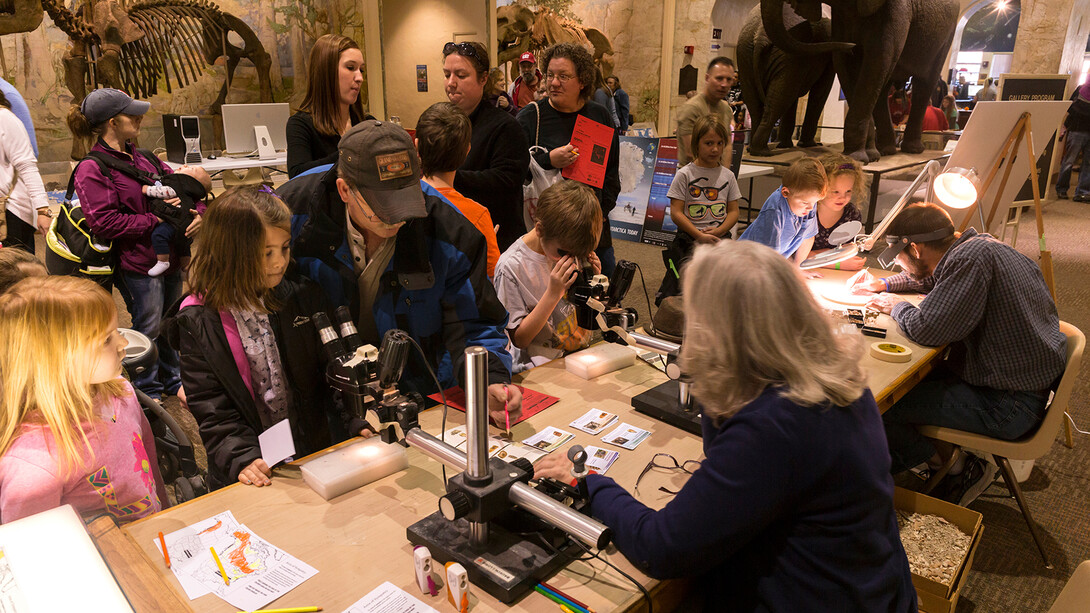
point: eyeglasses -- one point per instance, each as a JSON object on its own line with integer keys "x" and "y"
{"x": 688, "y": 466}
{"x": 711, "y": 193}
{"x": 562, "y": 77}
{"x": 700, "y": 211}
{"x": 464, "y": 50}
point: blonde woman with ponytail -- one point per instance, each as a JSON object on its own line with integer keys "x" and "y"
{"x": 71, "y": 430}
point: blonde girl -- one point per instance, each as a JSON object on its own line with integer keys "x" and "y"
{"x": 250, "y": 355}
{"x": 71, "y": 430}
{"x": 846, "y": 185}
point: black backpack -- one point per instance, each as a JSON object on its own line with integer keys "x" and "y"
{"x": 71, "y": 238}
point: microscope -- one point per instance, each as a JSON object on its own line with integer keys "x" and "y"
{"x": 597, "y": 301}
{"x": 508, "y": 535}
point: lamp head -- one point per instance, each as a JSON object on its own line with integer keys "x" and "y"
{"x": 957, "y": 188}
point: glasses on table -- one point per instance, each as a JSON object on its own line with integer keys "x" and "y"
{"x": 666, "y": 461}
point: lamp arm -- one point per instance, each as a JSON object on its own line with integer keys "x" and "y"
{"x": 929, "y": 172}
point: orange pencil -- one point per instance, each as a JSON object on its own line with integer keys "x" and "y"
{"x": 166, "y": 554}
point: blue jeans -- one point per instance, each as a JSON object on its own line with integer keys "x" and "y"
{"x": 946, "y": 400}
{"x": 1076, "y": 142}
{"x": 147, "y": 299}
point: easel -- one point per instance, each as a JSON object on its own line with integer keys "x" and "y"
{"x": 1022, "y": 131}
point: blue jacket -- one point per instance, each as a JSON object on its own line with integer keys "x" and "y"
{"x": 436, "y": 286}
{"x": 792, "y": 510}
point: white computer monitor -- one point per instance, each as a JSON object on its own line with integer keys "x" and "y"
{"x": 240, "y": 121}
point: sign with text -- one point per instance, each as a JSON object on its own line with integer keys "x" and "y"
{"x": 636, "y": 163}
{"x": 593, "y": 141}
{"x": 1027, "y": 87}
{"x": 658, "y": 228}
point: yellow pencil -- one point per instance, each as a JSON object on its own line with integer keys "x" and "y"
{"x": 220, "y": 564}
{"x": 565, "y": 609}
{"x": 292, "y": 610}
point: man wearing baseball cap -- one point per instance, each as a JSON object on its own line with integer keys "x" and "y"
{"x": 365, "y": 231}
{"x": 522, "y": 90}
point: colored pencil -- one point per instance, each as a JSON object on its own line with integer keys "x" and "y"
{"x": 563, "y": 595}
{"x": 220, "y": 564}
{"x": 291, "y": 610}
{"x": 559, "y": 599}
{"x": 166, "y": 554}
{"x": 506, "y": 397}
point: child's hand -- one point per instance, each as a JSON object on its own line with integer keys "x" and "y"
{"x": 595, "y": 262}
{"x": 563, "y": 275}
{"x": 706, "y": 239}
{"x": 257, "y": 473}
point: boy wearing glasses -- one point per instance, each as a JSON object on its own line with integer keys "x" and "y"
{"x": 703, "y": 200}
{"x": 534, "y": 274}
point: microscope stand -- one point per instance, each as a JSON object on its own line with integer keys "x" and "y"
{"x": 661, "y": 402}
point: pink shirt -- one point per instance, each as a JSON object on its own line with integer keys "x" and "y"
{"x": 122, "y": 478}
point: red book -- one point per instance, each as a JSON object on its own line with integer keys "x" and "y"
{"x": 593, "y": 141}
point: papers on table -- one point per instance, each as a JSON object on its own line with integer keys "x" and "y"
{"x": 257, "y": 571}
{"x": 497, "y": 447}
{"x": 626, "y": 436}
{"x": 594, "y": 421}
{"x": 549, "y": 440}
{"x": 599, "y": 460}
{"x": 11, "y": 597}
{"x": 388, "y": 598}
{"x": 276, "y": 443}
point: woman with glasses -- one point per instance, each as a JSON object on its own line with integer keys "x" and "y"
{"x": 493, "y": 172}
{"x": 703, "y": 199}
{"x": 331, "y": 106}
{"x": 570, "y": 75}
{"x": 792, "y": 507}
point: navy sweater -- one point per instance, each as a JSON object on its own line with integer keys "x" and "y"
{"x": 792, "y": 510}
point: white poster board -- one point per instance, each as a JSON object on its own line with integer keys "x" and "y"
{"x": 983, "y": 137}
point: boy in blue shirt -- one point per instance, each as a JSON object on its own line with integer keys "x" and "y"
{"x": 788, "y": 221}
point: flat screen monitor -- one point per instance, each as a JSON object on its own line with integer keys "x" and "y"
{"x": 239, "y": 121}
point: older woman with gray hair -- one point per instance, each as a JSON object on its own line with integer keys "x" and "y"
{"x": 570, "y": 77}
{"x": 792, "y": 507}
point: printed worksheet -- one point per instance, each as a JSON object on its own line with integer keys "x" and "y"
{"x": 515, "y": 451}
{"x": 456, "y": 437}
{"x": 257, "y": 571}
{"x": 594, "y": 421}
{"x": 11, "y": 599}
{"x": 549, "y": 440}
{"x": 388, "y": 598}
{"x": 599, "y": 460}
{"x": 626, "y": 436}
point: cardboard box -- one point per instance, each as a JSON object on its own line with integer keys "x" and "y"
{"x": 933, "y": 596}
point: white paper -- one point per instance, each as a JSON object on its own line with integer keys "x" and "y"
{"x": 549, "y": 440}
{"x": 594, "y": 421}
{"x": 276, "y": 443}
{"x": 515, "y": 451}
{"x": 599, "y": 460}
{"x": 626, "y": 436}
{"x": 388, "y": 598}
{"x": 455, "y": 437}
{"x": 258, "y": 572}
{"x": 11, "y": 597}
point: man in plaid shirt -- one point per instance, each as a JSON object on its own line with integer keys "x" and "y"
{"x": 990, "y": 304}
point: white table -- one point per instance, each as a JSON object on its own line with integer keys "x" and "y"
{"x": 237, "y": 163}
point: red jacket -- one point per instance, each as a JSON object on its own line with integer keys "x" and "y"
{"x": 935, "y": 120}
{"x": 519, "y": 91}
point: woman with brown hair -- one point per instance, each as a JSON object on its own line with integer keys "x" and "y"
{"x": 498, "y": 154}
{"x": 247, "y": 363}
{"x": 331, "y": 106}
{"x": 570, "y": 75}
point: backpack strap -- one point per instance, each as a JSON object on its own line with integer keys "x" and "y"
{"x": 105, "y": 160}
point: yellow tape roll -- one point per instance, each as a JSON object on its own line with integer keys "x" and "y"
{"x": 890, "y": 352}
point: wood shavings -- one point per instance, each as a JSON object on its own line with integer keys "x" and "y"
{"x": 934, "y": 546}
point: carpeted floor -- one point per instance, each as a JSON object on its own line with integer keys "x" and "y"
{"x": 1007, "y": 573}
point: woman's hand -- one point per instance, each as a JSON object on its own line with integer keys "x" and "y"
{"x": 565, "y": 156}
{"x": 44, "y": 221}
{"x": 502, "y": 102}
{"x": 194, "y": 225}
{"x": 554, "y": 466}
{"x": 563, "y": 275}
{"x": 257, "y": 473}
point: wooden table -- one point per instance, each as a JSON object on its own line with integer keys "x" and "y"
{"x": 357, "y": 541}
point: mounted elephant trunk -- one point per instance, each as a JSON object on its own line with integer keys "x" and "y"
{"x": 772, "y": 19}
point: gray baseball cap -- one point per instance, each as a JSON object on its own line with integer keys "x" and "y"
{"x": 104, "y": 104}
{"x": 378, "y": 158}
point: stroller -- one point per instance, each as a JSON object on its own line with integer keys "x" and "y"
{"x": 177, "y": 462}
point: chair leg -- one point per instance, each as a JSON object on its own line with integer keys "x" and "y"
{"x": 937, "y": 476}
{"x": 1012, "y": 485}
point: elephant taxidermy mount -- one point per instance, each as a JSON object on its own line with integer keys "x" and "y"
{"x": 773, "y": 80}
{"x": 132, "y": 47}
{"x": 875, "y": 42}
